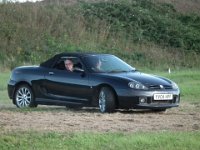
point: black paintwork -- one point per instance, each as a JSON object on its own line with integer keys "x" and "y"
{"x": 59, "y": 87}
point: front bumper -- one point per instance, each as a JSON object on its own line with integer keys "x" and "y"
{"x": 132, "y": 99}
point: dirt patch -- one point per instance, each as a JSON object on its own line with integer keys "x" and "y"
{"x": 59, "y": 119}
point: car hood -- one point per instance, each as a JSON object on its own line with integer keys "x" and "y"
{"x": 145, "y": 79}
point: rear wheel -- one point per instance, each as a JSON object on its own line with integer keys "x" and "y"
{"x": 106, "y": 100}
{"x": 24, "y": 97}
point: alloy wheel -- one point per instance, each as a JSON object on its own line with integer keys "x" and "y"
{"x": 23, "y": 97}
{"x": 102, "y": 101}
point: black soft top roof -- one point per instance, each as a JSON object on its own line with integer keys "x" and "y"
{"x": 54, "y": 59}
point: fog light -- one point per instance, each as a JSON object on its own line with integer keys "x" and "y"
{"x": 142, "y": 99}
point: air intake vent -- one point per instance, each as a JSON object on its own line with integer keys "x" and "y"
{"x": 160, "y": 87}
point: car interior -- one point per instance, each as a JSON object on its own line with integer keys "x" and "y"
{"x": 60, "y": 65}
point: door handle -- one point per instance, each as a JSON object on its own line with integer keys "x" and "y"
{"x": 51, "y": 73}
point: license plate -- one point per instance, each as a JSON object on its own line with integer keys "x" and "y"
{"x": 163, "y": 96}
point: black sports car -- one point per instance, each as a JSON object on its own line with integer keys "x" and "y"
{"x": 101, "y": 80}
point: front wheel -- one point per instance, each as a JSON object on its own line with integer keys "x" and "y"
{"x": 106, "y": 100}
{"x": 24, "y": 97}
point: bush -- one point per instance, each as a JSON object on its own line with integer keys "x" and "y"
{"x": 144, "y": 20}
{"x": 143, "y": 33}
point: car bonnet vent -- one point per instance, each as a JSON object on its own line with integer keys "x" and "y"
{"x": 160, "y": 87}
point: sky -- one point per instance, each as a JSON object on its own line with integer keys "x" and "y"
{"x": 21, "y": 0}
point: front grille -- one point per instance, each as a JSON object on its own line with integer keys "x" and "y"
{"x": 167, "y": 86}
{"x": 162, "y": 102}
{"x": 160, "y": 87}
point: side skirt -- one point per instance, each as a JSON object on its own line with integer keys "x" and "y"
{"x": 43, "y": 101}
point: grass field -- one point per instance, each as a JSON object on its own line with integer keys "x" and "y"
{"x": 4, "y": 77}
{"x": 188, "y": 81}
{"x": 91, "y": 141}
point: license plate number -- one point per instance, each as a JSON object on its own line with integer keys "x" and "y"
{"x": 163, "y": 96}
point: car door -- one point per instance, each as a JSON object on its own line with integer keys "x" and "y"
{"x": 62, "y": 85}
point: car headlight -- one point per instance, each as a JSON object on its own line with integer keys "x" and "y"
{"x": 174, "y": 85}
{"x": 137, "y": 85}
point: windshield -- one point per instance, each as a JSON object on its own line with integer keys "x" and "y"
{"x": 106, "y": 63}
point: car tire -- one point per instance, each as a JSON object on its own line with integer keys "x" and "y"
{"x": 24, "y": 97}
{"x": 106, "y": 100}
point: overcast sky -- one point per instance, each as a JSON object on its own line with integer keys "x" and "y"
{"x": 21, "y": 0}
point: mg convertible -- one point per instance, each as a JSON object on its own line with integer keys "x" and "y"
{"x": 97, "y": 80}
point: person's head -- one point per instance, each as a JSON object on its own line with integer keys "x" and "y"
{"x": 69, "y": 65}
{"x": 98, "y": 64}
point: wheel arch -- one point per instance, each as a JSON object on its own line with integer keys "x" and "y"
{"x": 17, "y": 85}
{"x": 109, "y": 86}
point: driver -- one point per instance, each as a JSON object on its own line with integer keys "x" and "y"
{"x": 69, "y": 65}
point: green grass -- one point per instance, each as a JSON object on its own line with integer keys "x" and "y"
{"x": 188, "y": 81}
{"x": 4, "y": 100}
{"x": 4, "y": 77}
{"x": 112, "y": 141}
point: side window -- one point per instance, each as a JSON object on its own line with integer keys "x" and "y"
{"x": 77, "y": 65}
{"x": 60, "y": 65}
